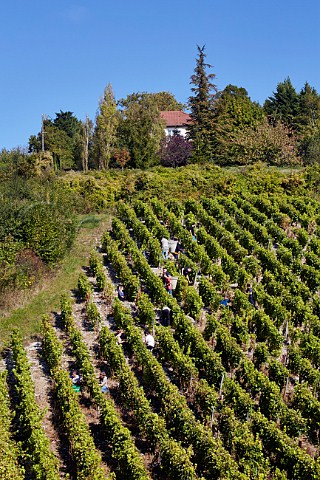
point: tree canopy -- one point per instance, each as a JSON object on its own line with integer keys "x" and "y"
{"x": 226, "y": 128}
{"x": 141, "y": 128}
{"x": 105, "y": 133}
{"x": 63, "y": 138}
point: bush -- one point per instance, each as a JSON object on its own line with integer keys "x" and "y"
{"x": 46, "y": 231}
{"x": 192, "y": 303}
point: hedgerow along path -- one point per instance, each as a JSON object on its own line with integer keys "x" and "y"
{"x": 45, "y": 298}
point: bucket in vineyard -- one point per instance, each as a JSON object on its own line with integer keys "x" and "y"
{"x": 174, "y": 281}
{"x": 172, "y": 245}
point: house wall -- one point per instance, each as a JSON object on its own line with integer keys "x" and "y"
{"x": 170, "y": 131}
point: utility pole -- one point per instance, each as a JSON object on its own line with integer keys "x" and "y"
{"x": 86, "y": 145}
{"x": 43, "y": 118}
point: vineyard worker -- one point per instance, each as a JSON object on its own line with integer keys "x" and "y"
{"x": 119, "y": 337}
{"x": 121, "y": 293}
{"x": 187, "y": 271}
{"x": 169, "y": 286}
{"x": 104, "y": 383}
{"x": 165, "y": 247}
{"x": 149, "y": 341}
{"x": 177, "y": 251}
{"x": 165, "y": 276}
{"x": 166, "y": 316}
{"x": 193, "y": 232}
{"x": 226, "y": 301}
{"x": 75, "y": 378}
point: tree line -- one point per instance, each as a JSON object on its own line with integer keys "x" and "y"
{"x": 226, "y": 128}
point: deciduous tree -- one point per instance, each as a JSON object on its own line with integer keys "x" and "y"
{"x": 175, "y": 151}
{"x": 105, "y": 133}
{"x": 166, "y": 101}
{"x": 272, "y": 144}
{"x": 141, "y": 128}
{"x": 234, "y": 113}
{"x": 122, "y": 157}
{"x": 63, "y": 138}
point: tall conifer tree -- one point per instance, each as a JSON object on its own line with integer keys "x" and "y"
{"x": 283, "y": 105}
{"x": 201, "y": 104}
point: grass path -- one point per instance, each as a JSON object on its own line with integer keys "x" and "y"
{"x": 46, "y": 298}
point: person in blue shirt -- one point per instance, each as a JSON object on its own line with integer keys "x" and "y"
{"x": 226, "y": 301}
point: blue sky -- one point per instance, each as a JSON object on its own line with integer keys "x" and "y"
{"x": 60, "y": 55}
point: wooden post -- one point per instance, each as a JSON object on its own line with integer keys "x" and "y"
{"x": 221, "y": 385}
{"x": 212, "y": 416}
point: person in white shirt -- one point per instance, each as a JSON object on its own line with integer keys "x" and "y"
{"x": 165, "y": 247}
{"x": 104, "y": 383}
{"x": 75, "y": 378}
{"x": 150, "y": 341}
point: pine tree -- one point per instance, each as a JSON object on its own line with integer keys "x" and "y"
{"x": 309, "y": 110}
{"x": 201, "y": 104}
{"x": 283, "y": 106}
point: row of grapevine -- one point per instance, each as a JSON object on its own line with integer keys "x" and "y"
{"x": 9, "y": 452}
{"x": 122, "y": 237}
{"x": 40, "y": 460}
{"x": 85, "y": 457}
{"x": 123, "y": 450}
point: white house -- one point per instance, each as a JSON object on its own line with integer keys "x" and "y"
{"x": 176, "y": 121}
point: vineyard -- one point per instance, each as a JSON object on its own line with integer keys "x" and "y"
{"x": 230, "y": 389}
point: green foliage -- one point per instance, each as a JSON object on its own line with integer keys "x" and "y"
{"x": 146, "y": 312}
{"x": 175, "y": 460}
{"x": 94, "y": 262}
{"x": 212, "y": 459}
{"x": 63, "y": 138}
{"x": 9, "y": 466}
{"x": 46, "y": 231}
{"x": 85, "y": 457}
{"x": 42, "y": 462}
{"x": 124, "y": 452}
{"x": 51, "y": 347}
{"x": 231, "y": 353}
{"x": 105, "y": 134}
{"x": 208, "y": 294}
{"x": 101, "y": 279}
{"x": 261, "y": 354}
{"x": 66, "y": 312}
{"x": 141, "y": 129}
{"x": 278, "y": 373}
{"x": 170, "y": 352}
{"x": 284, "y": 104}
{"x": 93, "y": 314}
{"x": 201, "y": 104}
{"x": 37, "y": 227}
{"x": 192, "y": 303}
{"x": 84, "y": 286}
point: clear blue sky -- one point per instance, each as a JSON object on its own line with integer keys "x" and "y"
{"x": 60, "y": 55}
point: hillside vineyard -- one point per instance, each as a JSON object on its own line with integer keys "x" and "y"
{"x": 230, "y": 388}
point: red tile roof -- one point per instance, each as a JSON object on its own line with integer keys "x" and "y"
{"x": 175, "y": 118}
